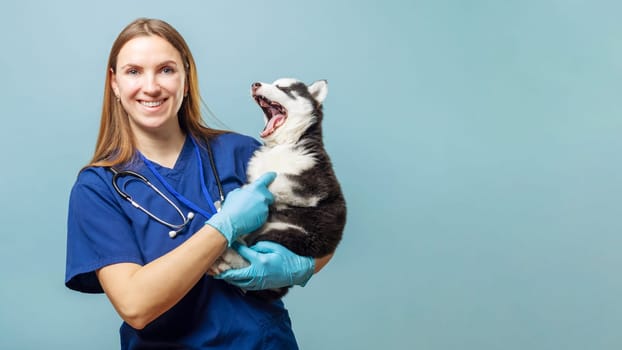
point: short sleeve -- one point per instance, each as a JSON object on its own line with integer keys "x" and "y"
{"x": 237, "y": 150}
{"x": 98, "y": 233}
{"x": 247, "y": 152}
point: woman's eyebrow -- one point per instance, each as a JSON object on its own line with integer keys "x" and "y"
{"x": 168, "y": 62}
{"x": 163, "y": 63}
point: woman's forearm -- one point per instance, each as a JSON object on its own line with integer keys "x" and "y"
{"x": 142, "y": 293}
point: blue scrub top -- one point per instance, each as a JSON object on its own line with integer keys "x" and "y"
{"x": 105, "y": 229}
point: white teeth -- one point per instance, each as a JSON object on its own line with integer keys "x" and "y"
{"x": 151, "y": 103}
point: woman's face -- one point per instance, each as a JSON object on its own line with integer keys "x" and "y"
{"x": 150, "y": 80}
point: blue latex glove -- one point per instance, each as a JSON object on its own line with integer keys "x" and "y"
{"x": 245, "y": 209}
{"x": 271, "y": 266}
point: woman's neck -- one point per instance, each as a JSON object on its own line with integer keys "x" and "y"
{"x": 162, "y": 149}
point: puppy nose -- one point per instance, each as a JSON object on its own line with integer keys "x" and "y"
{"x": 255, "y": 86}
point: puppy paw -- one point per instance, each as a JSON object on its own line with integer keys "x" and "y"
{"x": 233, "y": 260}
{"x": 230, "y": 259}
{"x": 219, "y": 266}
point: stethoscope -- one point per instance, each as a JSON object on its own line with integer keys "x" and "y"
{"x": 175, "y": 228}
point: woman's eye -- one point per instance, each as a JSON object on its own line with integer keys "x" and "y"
{"x": 132, "y": 71}
{"x": 168, "y": 70}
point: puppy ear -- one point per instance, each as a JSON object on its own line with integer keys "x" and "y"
{"x": 318, "y": 90}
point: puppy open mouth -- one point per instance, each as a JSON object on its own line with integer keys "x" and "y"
{"x": 275, "y": 114}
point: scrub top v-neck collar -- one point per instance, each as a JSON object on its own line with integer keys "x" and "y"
{"x": 185, "y": 155}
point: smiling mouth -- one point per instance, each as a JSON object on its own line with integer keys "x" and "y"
{"x": 275, "y": 114}
{"x": 152, "y": 103}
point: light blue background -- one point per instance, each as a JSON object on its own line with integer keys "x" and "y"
{"x": 478, "y": 144}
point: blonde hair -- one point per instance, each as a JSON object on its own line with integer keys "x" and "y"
{"x": 115, "y": 142}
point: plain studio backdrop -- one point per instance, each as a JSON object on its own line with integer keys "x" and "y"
{"x": 478, "y": 145}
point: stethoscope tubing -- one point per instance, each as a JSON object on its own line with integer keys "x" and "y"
{"x": 175, "y": 228}
{"x": 123, "y": 193}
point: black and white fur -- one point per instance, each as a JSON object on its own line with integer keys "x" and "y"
{"x": 309, "y": 212}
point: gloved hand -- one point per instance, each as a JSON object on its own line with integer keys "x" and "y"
{"x": 245, "y": 209}
{"x": 271, "y": 266}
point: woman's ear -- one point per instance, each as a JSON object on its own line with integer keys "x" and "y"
{"x": 113, "y": 83}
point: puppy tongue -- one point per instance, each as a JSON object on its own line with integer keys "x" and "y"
{"x": 273, "y": 124}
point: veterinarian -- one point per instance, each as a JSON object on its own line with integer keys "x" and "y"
{"x": 146, "y": 218}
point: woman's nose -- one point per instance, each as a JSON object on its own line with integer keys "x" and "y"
{"x": 151, "y": 84}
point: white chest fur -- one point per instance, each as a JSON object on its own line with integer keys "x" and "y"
{"x": 284, "y": 160}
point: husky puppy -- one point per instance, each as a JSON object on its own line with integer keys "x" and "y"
{"x": 309, "y": 212}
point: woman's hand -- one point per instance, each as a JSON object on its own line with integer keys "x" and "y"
{"x": 271, "y": 266}
{"x": 245, "y": 209}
